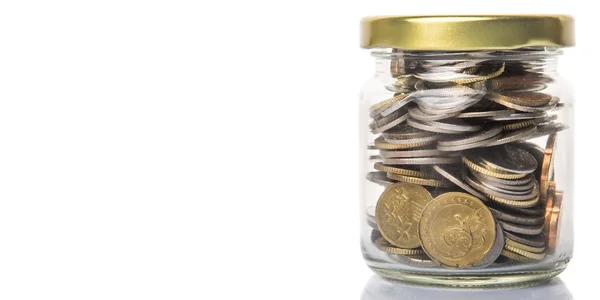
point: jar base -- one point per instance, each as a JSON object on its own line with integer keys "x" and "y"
{"x": 480, "y": 280}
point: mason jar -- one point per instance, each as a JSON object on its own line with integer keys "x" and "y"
{"x": 467, "y": 140}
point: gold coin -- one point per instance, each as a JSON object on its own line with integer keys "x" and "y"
{"x": 515, "y": 203}
{"x": 401, "y": 171}
{"x": 381, "y": 144}
{"x": 398, "y": 212}
{"x": 480, "y": 77}
{"x": 552, "y": 237}
{"x": 515, "y": 256}
{"x": 536, "y": 256}
{"x": 547, "y": 167}
{"x": 385, "y": 246}
{"x": 490, "y": 171}
{"x": 419, "y": 181}
{"x": 527, "y": 123}
{"x": 387, "y": 103}
{"x": 524, "y": 247}
{"x": 531, "y": 99}
{"x": 457, "y": 230}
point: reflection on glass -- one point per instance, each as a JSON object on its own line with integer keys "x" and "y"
{"x": 380, "y": 289}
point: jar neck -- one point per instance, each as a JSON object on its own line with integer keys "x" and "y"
{"x": 394, "y": 62}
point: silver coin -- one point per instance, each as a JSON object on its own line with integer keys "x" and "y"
{"x": 454, "y": 125}
{"x": 514, "y": 135}
{"x": 397, "y": 105}
{"x": 486, "y": 114}
{"x": 422, "y": 161}
{"x": 421, "y": 125}
{"x": 411, "y": 153}
{"x": 417, "y": 114}
{"x": 475, "y": 137}
{"x": 374, "y": 158}
{"x": 532, "y": 211}
{"x": 509, "y": 187}
{"x": 435, "y": 101}
{"x": 388, "y": 122}
{"x": 533, "y": 241}
{"x": 522, "y": 229}
{"x": 428, "y": 140}
{"x": 444, "y": 75}
{"x": 507, "y": 158}
{"x": 380, "y": 178}
{"x": 548, "y": 129}
{"x": 519, "y": 116}
{"x": 404, "y": 132}
{"x": 484, "y": 189}
{"x": 454, "y": 177}
{"x": 537, "y": 152}
{"x": 499, "y": 181}
{"x": 371, "y": 221}
{"x": 495, "y": 251}
{"x": 470, "y": 145}
{"x": 399, "y": 89}
{"x": 413, "y": 261}
{"x": 559, "y": 106}
{"x": 451, "y": 110}
{"x": 516, "y": 218}
{"x": 506, "y": 191}
{"x": 375, "y": 235}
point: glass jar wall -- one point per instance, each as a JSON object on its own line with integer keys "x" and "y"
{"x": 467, "y": 165}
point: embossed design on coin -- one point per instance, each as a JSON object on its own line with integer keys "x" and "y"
{"x": 457, "y": 230}
{"x": 496, "y": 250}
{"x": 398, "y": 211}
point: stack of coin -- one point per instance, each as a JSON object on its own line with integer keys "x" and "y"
{"x": 458, "y": 130}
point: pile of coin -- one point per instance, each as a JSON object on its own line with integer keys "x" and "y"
{"x": 464, "y": 187}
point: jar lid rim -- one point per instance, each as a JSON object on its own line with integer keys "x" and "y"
{"x": 467, "y": 32}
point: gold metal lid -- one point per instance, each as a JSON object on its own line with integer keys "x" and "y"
{"x": 467, "y": 32}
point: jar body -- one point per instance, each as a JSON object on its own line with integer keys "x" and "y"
{"x": 466, "y": 165}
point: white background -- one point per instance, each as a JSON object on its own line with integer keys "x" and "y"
{"x": 208, "y": 149}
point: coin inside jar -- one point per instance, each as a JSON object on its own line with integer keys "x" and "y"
{"x": 496, "y": 250}
{"x": 514, "y": 135}
{"x": 472, "y": 138}
{"x": 547, "y": 170}
{"x": 397, "y": 213}
{"x": 454, "y": 177}
{"x": 453, "y": 216}
{"x": 516, "y": 218}
{"x": 507, "y": 158}
{"x": 552, "y": 237}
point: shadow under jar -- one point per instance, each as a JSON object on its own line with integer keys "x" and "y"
{"x": 466, "y": 129}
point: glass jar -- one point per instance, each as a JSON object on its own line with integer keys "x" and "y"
{"x": 466, "y": 129}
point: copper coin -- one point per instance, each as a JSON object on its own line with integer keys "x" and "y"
{"x": 547, "y": 167}
{"x": 554, "y": 222}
